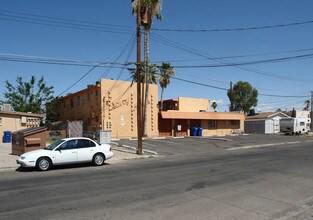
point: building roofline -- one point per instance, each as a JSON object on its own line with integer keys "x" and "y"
{"x": 22, "y": 114}
{"x": 80, "y": 92}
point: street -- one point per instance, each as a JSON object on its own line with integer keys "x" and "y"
{"x": 206, "y": 182}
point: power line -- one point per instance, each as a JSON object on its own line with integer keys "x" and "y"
{"x": 65, "y": 23}
{"x": 236, "y": 56}
{"x": 87, "y": 73}
{"x": 283, "y": 59}
{"x": 103, "y": 65}
{"x": 226, "y": 89}
{"x": 63, "y": 19}
{"x": 236, "y": 29}
{"x": 182, "y": 47}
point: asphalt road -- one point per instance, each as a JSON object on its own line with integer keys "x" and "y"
{"x": 273, "y": 182}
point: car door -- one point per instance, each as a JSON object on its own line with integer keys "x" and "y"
{"x": 85, "y": 150}
{"x": 66, "y": 152}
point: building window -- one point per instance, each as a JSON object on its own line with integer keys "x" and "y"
{"x": 0, "y": 121}
{"x": 79, "y": 101}
{"x": 108, "y": 125}
{"x": 235, "y": 122}
{"x": 88, "y": 96}
{"x": 97, "y": 92}
{"x": 72, "y": 103}
{"x": 212, "y": 123}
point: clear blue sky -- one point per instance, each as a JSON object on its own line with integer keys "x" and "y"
{"x": 24, "y": 32}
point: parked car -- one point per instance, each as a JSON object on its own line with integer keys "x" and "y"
{"x": 67, "y": 151}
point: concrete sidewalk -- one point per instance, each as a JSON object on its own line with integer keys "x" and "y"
{"x": 8, "y": 161}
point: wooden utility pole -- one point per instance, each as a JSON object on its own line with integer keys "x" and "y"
{"x": 138, "y": 73}
{"x": 231, "y": 106}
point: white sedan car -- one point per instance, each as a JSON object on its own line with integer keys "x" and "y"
{"x": 67, "y": 151}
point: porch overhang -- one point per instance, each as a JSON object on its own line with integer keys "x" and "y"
{"x": 202, "y": 115}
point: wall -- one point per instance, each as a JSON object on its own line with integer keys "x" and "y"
{"x": 193, "y": 104}
{"x": 119, "y": 108}
{"x": 84, "y": 105}
{"x": 302, "y": 114}
{"x": 12, "y": 122}
{"x": 110, "y": 105}
{"x": 223, "y": 127}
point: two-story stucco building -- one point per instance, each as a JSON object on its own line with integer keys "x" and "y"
{"x": 110, "y": 105}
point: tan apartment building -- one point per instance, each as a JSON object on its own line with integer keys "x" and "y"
{"x": 182, "y": 114}
{"x": 110, "y": 105}
{"x": 13, "y": 121}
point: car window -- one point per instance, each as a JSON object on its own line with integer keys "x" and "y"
{"x": 54, "y": 145}
{"x": 83, "y": 143}
{"x": 71, "y": 144}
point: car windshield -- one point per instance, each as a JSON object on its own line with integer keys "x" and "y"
{"x": 54, "y": 145}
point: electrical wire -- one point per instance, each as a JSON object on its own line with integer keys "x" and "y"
{"x": 283, "y": 59}
{"x": 87, "y": 73}
{"x": 225, "y": 89}
{"x": 182, "y": 47}
{"x": 236, "y": 29}
{"x": 72, "y": 24}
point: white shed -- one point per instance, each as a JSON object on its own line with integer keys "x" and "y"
{"x": 264, "y": 123}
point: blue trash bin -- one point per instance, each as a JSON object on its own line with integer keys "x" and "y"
{"x": 7, "y": 136}
{"x": 194, "y": 131}
{"x": 199, "y": 133}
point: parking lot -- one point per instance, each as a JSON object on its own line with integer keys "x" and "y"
{"x": 188, "y": 145}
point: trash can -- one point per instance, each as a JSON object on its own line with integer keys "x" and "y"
{"x": 199, "y": 133}
{"x": 28, "y": 139}
{"x": 194, "y": 131}
{"x": 7, "y": 136}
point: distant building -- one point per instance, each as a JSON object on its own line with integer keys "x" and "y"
{"x": 13, "y": 121}
{"x": 264, "y": 123}
{"x": 299, "y": 114}
{"x": 181, "y": 115}
{"x": 110, "y": 105}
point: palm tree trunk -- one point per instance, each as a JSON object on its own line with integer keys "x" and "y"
{"x": 146, "y": 61}
{"x": 162, "y": 92}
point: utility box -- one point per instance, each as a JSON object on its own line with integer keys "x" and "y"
{"x": 104, "y": 136}
{"x": 28, "y": 139}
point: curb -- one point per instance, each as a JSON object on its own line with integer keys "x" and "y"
{"x": 131, "y": 148}
{"x": 268, "y": 145}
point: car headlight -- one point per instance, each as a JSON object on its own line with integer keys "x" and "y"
{"x": 23, "y": 158}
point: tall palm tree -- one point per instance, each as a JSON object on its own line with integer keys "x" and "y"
{"x": 152, "y": 75}
{"x": 214, "y": 105}
{"x": 166, "y": 72}
{"x": 149, "y": 10}
{"x": 307, "y": 105}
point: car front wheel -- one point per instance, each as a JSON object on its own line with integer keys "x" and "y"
{"x": 98, "y": 159}
{"x": 43, "y": 164}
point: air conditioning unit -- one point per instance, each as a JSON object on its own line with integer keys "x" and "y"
{"x": 23, "y": 120}
{"x": 7, "y": 107}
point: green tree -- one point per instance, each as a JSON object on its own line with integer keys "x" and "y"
{"x": 214, "y": 105}
{"x": 243, "y": 96}
{"x": 152, "y": 74}
{"x": 51, "y": 106}
{"x": 28, "y": 96}
{"x": 149, "y": 10}
{"x": 166, "y": 72}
